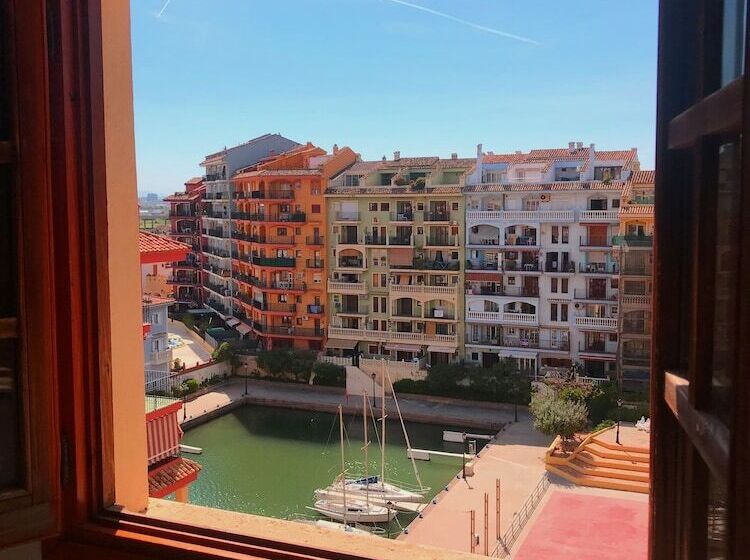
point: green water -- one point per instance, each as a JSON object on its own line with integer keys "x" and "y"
{"x": 269, "y": 461}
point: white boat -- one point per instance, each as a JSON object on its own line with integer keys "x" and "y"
{"x": 329, "y": 494}
{"x": 357, "y": 529}
{"x": 339, "y": 508}
{"x": 384, "y": 491}
{"x": 353, "y": 510}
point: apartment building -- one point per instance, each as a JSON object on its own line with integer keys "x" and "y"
{"x": 635, "y": 242}
{"x": 217, "y": 223}
{"x": 278, "y": 230}
{"x": 395, "y": 256}
{"x": 185, "y": 209}
{"x": 542, "y": 274}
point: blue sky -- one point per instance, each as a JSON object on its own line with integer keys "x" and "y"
{"x": 383, "y": 75}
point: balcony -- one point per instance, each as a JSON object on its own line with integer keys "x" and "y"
{"x": 636, "y": 326}
{"x": 282, "y": 217}
{"x": 445, "y": 340}
{"x": 286, "y": 262}
{"x": 350, "y": 262}
{"x": 273, "y": 239}
{"x": 446, "y": 314}
{"x": 403, "y": 217}
{"x": 182, "y": 214}
{"x": 636, "y": 359}
{"x": 401, "y": 240}
{"x": 634, "y": 241}
{"x": 220, "y": 253}
{"x": 359, "y": 309}
{"x": 185, "y": 264}
{"x": 520, "y": 216}
{"x": 315, "y": 241}
{"x": 520, "y": 242}
{"x": 353, "y": 288}
{"x": 313, "y": 309}
{"x": 636, "y": 269}
{"x": 218, "y": 289}
{"x": 214, "y": 232}
{"x": 219, "y": 308}
{"x": 377, "y": 240}
{"x": 442, "y": 241}
{"x": 346, "y": 217}
{"x": 597, "y": 323}
{"x": 505, "y": 317}
{"x": 348, "y": 239}
{"x": 515, "y": 266}
{"x": 315, "y": 263}
{"x": 630, "y": 299}
{"x": 287, "y": 331}
{"x": 275, "y": 307}
{"x": 423, "y": 292}
{"x": 596, "y": 347}
{"x": 216, "y": 214}
{"x": 182, "y": 281}
{"x": 594, "y": 295}
{"x": 599, "y": 216}
{"x": 272, "y": 194}
{"x": 598, "y": 268}
{"x": 437, "y": 216}
{"x": 213, "y": 177}
{"x": 492, "y": 266}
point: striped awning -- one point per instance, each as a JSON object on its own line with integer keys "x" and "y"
{"x": 163, "y": 433}
{"x": 341, "y": 343}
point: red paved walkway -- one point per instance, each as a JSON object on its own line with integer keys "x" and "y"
{"x": 574, "y": 526}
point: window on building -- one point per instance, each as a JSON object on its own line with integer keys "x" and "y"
{"x": 455, "y": 206}
{"x": 564, "y": 285}
{"x": 565, "y": 234}
{"x": 553, "y": 312}
{"x": 315, "y": 209}
{"x": 563, "y": 311}
{"x": 373, "y": 206}
{"x": 351, "y": 180}
{"x": 555, "y": 234}
{"x": 385, "y": 206}
{"x": 553, "y": 285}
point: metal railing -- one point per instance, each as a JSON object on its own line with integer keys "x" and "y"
{"x": 315, "y": 263}
{"x": 520, "y": 518}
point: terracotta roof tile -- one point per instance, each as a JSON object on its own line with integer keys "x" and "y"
{"x": 150, "y": 243}
{"x": 542, "y": 187}
{"x": 172, "y": 473}
{"x": 391, "y": 190}
{"x": 646, "y": 177}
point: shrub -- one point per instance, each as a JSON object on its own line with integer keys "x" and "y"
{"x": 415, "y": 387}
{"x": 576, "y": 392}
{"x": 330, "y": 375}
{"x": 188, "y": 320}
{"x": 418, "y": 184}
{"x": 603, "y": 424}
{"x": 555, "y": 416}
{"x": 283, "y": 362}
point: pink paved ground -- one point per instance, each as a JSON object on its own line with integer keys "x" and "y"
{"x": 573, "y": 526}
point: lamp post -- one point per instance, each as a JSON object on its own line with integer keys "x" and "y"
{"x": 463, "y": 456}
{"x": 617, "y": 435}
{"x": 245, "y": 393}
{"x": 373, "y": 389}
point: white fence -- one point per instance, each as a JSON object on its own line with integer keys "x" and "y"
{"x": 337, "y": 360}
{"x": 396, "y": 370}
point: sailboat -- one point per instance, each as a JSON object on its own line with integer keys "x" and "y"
{"x": 339, "y": 508}
{"x": 375, "y": 487}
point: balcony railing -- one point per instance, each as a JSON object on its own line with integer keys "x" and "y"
{"x": 347, "y": 216}
{"x": 633, "y": 240}
{"x": 348, "y": 240}
{"x": 276, "y": 307}
{"x": 403, "y": 240}
{"x": 313, "y": 309}
{"x": 407, "y": 313}
{"x": 279, "y": 217}
{"x": 598, "y": 216}
{"x": 635, "y": 359}
{"x": 182, "y": 280}
{"x": 511, "y": 266}
{"x": 594, "y": 295}
{"x": 217, "y": 288}
{"x": 273, "y": 239}
{"x": 216, "y": 306}
{"x": 347, "y": 287}
{"x": 636, "y": 269}
{"x": 595, "y": 242}
{"x": 595, "y": 347}
{"x": 599, "y": 268}
{"x": 606, "y": 323}
{"x": 182, "y": 214}
{"x": 288, "y": 330}
{"x": 441, "y": 241}
{"x": 288, "y": 262}
{"x": 630, "y": 299}
{"x": 551, "y": 216}
{"x": 214, "y": 177}
{"x": 439, "y": 314}
{"x": 360, "y": 309}
{"x": 315, "y": 263}
{"x": 214, "y": 232}
{"x": 279, "y": 194}
{"x": 520, "y": 241}
{"x": 450, "y": 291}
{"x": 315, "y": 241}
{"x": 350, "y": 262}
{"x": 376, "y": 240}
{"x": 434, "y": 265}
{"x": 402, "y": 216}
{"x": 218, "y": 214}
{"x": 503, "y": 317}
{"x": 446, "y": 340}
{"x": 484, "y": 265}
{"x": 636, "y": 326}
{"x": 185, "y": 264}
{"x": 215, "y": 252}
{"x": 437, "y": 216}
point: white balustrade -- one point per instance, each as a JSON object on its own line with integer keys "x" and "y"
{"x": 598, "y": 216}
{"x": 520, "y": 318}
{"x": 608, "y": 323}
{"x": 521, "y": 215}
{"x": 636, "y": 299}
{"x": 391, "y": 336}
{"x": 450, "y": 291}
{"x": 347, "y": 287}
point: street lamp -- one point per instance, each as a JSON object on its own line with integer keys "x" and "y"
{"x": 617, "y": 436}
{"x": 463, "y": 456}
{"x": 245, "y": 393}
{"x": 373, "y": 389}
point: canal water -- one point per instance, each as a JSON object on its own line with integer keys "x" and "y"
{"x": 269, "y": 461}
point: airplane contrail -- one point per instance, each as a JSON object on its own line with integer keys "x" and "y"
{"x": 467, "y": 23}
{"x": 164, "y": 7}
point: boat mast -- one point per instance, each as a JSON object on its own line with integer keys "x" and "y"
{"x": 367, "y": 444}
{"x": 343, "y": 464}
{"x": 382, "y": 420}
{"x": 406, "y": 435}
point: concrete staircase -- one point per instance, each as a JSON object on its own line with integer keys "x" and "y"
{"x": 603, "y": 464}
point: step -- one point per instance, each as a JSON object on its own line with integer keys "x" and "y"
{"x": 624, "y": 464}
{"x": 596, "y": 481}
{"x": 619, "y": 447}
{"x": 595, "y": 448}
{"x": 608, "y": 472}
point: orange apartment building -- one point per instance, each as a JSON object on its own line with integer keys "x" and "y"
{"x": 278, "y": 229}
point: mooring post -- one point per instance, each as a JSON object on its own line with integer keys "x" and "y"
{"x": 497, "y": 508}
{"x": 472, "y": 540}
{"x": 486, "y": 524}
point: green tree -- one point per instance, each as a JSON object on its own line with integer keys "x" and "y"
{"x": 226, "y": 352}
{"x": 444, "y": 377}
{"x": 555, "y": 416}
{"x": 188, "y": 320}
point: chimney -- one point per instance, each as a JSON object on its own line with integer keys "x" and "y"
{"x": 335, "y": 149}
{"x": 396, "y": 155}
{"x": 592, "y": 158}
{"x": 571, "y": 146}
{"x": 454, "y": 155}
{"x": 579, "y": 145}
{"x": 385, "y": 158}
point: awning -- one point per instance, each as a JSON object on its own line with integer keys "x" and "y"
{"x": 163, "y": 436}
{"x": 403, "y": 347}
{"x": 233, "y": 321}
{"x": 242, "y": 328}
{"x": 341, "y": 343}
{"x": 442, "y": 349}
{"x": 171, "y": 475}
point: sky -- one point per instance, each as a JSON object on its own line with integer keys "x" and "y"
{"x": 425, "y": 77}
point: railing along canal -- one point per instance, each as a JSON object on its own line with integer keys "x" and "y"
{"x": 505, "y": 545}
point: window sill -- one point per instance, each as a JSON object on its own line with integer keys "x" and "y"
{"x": 226, "y": 534}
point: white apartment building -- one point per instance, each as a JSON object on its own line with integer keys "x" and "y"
{"x": 542, "y": 277}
